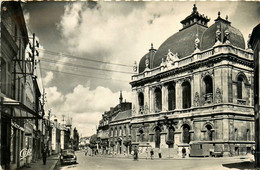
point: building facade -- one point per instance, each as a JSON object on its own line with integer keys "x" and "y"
{"x": 20, "y": 104}
{"x": 114, "y": 133}
{"x": 196, "y": 90}
{"x": 255, "y": 43}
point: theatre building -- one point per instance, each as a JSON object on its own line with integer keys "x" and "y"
{"x": 195, "y": 91}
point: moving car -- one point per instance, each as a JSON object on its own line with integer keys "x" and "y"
{"x": 68, "y": 156}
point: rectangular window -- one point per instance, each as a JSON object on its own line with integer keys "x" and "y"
{"x": 18, "y": 90}
{"x": 3, "y": 76}
{"x": 22, "y": 93}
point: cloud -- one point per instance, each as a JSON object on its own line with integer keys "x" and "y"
{"x": 54, "y": 97}
{"x": 48, "y": 78}
{"x": 83, "y": 105}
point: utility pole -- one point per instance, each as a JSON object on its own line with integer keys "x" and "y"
{"x": 32, "y": 55}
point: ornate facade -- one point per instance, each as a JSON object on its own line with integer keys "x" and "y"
{"x": 113, "y": 132}
{"x": 196, "y": 89}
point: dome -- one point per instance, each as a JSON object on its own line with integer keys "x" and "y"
{"x": 150, "y": 57}
{"x": 209, "y": 36}
{"x": 181, "y": 42}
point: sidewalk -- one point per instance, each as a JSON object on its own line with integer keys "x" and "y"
{"x": 242, "y": 157}
{"x": 50, "y": 164}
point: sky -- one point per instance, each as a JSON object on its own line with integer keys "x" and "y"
{"x": 109, "y": 32}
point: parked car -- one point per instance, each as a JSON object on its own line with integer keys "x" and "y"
{"x": 68, "y": 156}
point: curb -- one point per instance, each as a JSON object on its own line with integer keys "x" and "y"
{"x": 54, "y": 165}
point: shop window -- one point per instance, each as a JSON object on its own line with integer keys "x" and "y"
{"x": 158, "y": 99}
{"x": 186, "y": 95}
{"x": 171, "y": 97}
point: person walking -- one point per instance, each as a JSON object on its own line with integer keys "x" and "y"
{"x": 86, "y": 152}
{"x": 160, "y": 153}
{"x": 44, "y": 155}
{"x": 183, "y": 152}
{"x": 151, "y": 153}
{"x": 135, "y": 153}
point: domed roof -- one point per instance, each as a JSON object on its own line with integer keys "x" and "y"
{"x": 150, "y": 57}
{"x": 181, "y": 42}
{"x": 209, "y": 36}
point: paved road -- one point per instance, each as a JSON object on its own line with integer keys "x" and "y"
{"x": 99, "y": 163}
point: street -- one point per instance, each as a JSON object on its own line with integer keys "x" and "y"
{"x": 106, "y": 163}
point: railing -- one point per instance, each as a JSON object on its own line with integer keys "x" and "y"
{"x": 241, "y": 101}
{"x": 198, "y": 56}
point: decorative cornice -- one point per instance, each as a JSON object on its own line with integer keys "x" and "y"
{"x": 195, "y": 65}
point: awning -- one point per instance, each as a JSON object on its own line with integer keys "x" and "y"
{"x": 21, "y": 111}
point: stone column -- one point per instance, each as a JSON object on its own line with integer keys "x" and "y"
{"x": 177, "y": 138}
{"x": 178, "y": 89}
{"x": 151, "y": 108}
{"x": 164, "y": 98}
{"x": 163, "y": 141}
{"x": 135, "y": 106}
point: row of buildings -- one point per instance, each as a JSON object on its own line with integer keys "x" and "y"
{"x": 24, "y": 127}
{"x": 194, "y": 92}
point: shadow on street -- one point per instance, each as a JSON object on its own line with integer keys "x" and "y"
{"x": 240, "y": 165}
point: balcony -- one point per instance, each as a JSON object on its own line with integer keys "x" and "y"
{"x": 241, "y": 101}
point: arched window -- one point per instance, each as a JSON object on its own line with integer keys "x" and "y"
{"x": 111, "y": 133}
{"x": 171, "y": 136}
{"x": 158, "y": 99}
{"x": 186, "y": 133}
{"x": 141, "y": 103}
{"x": 171, "y": 97}
{"x": 186, "y": 95}
{"x": 209, "y": 133}
{"x": 157, "y": 137}
{"x": 236, "y": 134}
{"x": 240, "y": 87}
{"x": 248, "y": 135}
{"x": 115, "y": 132}
{"x": 208, "y": 84}
{"x": 141, "y": 135}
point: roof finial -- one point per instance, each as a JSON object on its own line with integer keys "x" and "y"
{"x": 194, "y": 8}
{"x": 151, "y": 45}
{"x": 226, "y": 17}
{"x": 121, "y": 97}
{"x": 219, "y": 14}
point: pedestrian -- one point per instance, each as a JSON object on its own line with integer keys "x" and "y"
{"x": 151, "y": 153}
{"x": 86, "y": 152}
{"x": 160, "y": 153}
{"x": 135, "y": 153}
{"x": 44, "y": 155}
{"x": 183, "y": 152}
